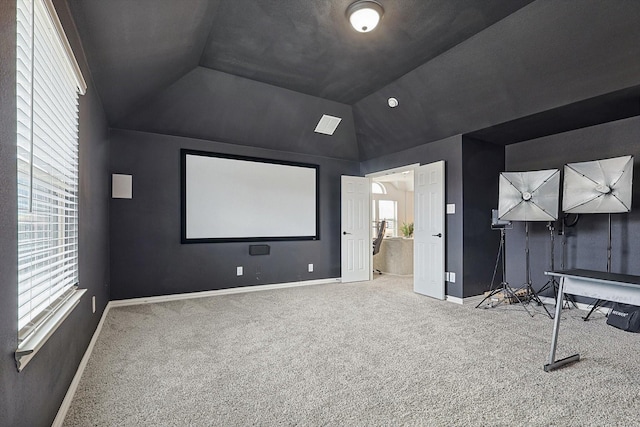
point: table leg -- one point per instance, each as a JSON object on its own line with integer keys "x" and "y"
{"x": 554, "y": 339}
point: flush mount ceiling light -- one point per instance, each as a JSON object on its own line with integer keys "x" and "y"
{"x": 364, "y": 15}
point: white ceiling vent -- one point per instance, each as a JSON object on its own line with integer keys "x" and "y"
{"x": 328, "y": 124}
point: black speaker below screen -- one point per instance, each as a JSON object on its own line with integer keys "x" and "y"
{"x": 259, "y": 249}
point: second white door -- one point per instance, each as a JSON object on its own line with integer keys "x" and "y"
{"x": 356, "y": 244}
{"x": 429, "y": 238}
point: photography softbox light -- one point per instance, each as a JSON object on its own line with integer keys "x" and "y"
{"x": 600, "y": 186}
{"x": 529, "y": 196}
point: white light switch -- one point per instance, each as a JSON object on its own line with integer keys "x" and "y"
{"x": 451, "y": 208}
{"x": 239, "y": 271}
{"x": 310, "y": 268}
{"x": 452, "y": 277}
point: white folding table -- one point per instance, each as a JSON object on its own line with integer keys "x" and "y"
{"x": 599, "y": 285}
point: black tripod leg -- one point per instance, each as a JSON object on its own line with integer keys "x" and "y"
{"x": 568, "y": 299}
{"x": 499, "y": 256}
{"x": 492, "y": 293}
{"x": 537, "y": 299}
{"x": 514, "y": 294}
{"x": 546, "y": 285}
{"x": 595, "y": 305}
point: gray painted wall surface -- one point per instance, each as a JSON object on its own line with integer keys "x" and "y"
{"x": 587, "y": 242}
{"x": 216, "y": 106}
{"x": 32, "y": 397}
{"x": 147, "y": 257}
{"x": 12, "y": 399}
{"x": 449, "y": 150}
{"x": 481, "y": 164}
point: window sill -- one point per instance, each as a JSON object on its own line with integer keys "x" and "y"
{"x": 34, "y": 342}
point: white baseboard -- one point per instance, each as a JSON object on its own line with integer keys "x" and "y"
{"x": 204, "y": 294}
{"x": 579, "y": 305}
{"x": 68, "y": 398}
{"x": 455, "y": 300}
{"x": 392, "y": 274}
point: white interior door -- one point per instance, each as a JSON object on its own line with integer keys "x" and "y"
{"x": 428, "y": 262}
{"x": 356, "y": 245}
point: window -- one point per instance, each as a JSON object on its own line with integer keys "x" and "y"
{"x": 48, "y": 82}
{"x": 388, "y": 211}
{"x": 384, "y": 210}
{"x": 377, "y": 188}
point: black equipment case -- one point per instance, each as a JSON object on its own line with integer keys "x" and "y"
{"x": 625, "y": 317}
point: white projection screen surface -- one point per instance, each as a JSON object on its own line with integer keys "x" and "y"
{"x": 227, "y": 198}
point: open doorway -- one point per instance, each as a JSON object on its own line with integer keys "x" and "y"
{"x": 392, "y": 204}
{"x": 428, "y": 243}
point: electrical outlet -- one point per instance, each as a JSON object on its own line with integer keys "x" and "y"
{"x": 93, "y": 304}
{"x": 239, "y": 271}
{"x": 310, "y": 268}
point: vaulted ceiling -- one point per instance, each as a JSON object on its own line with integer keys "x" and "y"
{"x": 262, "y": 72}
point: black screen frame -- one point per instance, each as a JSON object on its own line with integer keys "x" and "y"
{"x": 183, "y": 198}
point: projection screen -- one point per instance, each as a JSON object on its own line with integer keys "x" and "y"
{"x": 245, "y": 199}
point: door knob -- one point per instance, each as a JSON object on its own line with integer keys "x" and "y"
{"x": 345, "y": 233}
{"x": 437, "y": 235}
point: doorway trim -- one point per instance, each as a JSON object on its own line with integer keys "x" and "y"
{"x": 373, "y": 175}
{"x": 392, "y": 171}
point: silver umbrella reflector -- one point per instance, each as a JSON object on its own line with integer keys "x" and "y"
{"x": 601, "y": 186}
{"x": 529, "y": 196}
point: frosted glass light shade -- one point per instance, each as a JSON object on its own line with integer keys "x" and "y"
{"x": 365, "y": 15}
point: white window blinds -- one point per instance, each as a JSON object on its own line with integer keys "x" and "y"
{"x": 47, "y": 153}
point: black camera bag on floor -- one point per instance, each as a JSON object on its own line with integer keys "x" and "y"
{"x": 625, "y": 317}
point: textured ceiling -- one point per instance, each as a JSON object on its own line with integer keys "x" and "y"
{"x": 309, "y": 46}
{"x": 262, "y": 72}
{"x": 138, "y": 47}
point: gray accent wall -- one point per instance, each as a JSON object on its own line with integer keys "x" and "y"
{"x": 586, "y": 245}
{"x": 471, "y": 170}
{"x": 481, "y": 165}
{"x": 32, "y": 397}
{"x": 12, "y": 399}
{"x": 449, "y": 150}
{"x": 216, "y": 106}
{"x": 147, "y": 258}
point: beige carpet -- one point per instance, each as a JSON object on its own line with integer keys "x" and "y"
{"x": 360, "y": 354}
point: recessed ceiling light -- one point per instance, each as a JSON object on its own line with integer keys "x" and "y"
{"x": 364, "y": 15}
{"x": 393, "y": 102}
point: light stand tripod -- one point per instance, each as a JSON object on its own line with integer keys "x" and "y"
{"x": 599, "y": 302}
{"x": 504, "y": 289}
{"x": 553, "y": 282}
{"x": 531, "y": 293}
{"x": 600, "y": 186}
